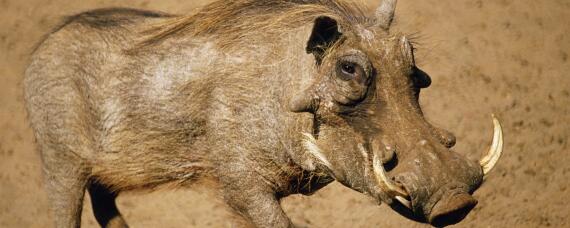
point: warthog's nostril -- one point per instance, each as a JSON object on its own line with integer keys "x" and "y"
{"x": 451, "y": 209}
{"x": 448, "y": 139}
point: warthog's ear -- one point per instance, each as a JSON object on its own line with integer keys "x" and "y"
{"x": 325, "y": 33}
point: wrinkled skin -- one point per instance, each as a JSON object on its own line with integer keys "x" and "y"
{"x": 258, "y": 114}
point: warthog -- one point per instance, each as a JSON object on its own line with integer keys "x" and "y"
{"x": 260, "y": 99}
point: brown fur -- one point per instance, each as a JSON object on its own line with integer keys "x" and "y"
{"x": 123, "y": 99}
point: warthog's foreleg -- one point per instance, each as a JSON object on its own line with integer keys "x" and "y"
{"x": 254, "y": 202}
{"x": 259, "y": 210}
{"x": 66, "y": 178}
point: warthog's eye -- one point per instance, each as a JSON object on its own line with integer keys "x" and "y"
{"x": 349, "y": 70}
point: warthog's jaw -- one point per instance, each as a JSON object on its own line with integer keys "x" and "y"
{"x": 448, "y": 206}
{"x": 487, "y": 163}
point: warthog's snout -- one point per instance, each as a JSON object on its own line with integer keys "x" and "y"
{"x": 431, "y": 183}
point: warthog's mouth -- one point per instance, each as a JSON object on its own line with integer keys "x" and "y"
{"x": 449, "y": 208}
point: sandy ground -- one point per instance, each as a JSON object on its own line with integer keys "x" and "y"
{"x": 506, "y": 57}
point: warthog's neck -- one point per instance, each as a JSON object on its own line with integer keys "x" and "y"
{"x": 248, "y": 92}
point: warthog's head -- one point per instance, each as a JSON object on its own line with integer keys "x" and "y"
{"x": 371, "y": 134}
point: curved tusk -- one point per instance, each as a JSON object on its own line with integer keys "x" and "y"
{"x": 490, "y": 160}
{"x": 404, "y": 201}
{"x": 386, "y": 185}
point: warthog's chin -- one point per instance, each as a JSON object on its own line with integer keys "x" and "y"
{"x": 447, "y": 208}
{"x": 451, "y": 209}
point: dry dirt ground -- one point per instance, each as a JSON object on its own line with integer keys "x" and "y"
{"x": 508, "y": 57}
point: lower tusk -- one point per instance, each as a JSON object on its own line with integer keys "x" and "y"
{"x": 490, "y": 160}
{"x": 404, "y": 201}
{"x": 386, "y": 185}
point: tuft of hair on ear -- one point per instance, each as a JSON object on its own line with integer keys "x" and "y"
{"x": 325, "y": 33}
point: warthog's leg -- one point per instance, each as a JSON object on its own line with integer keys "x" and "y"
{"x": 66, "y": 179}
{"x": 104, "y": 206}
{"x": 254, "y": 202}
{"x": 259, "y": 209}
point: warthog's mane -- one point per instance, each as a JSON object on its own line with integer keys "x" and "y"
{"x": 232, "y": 22}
